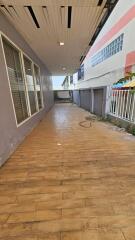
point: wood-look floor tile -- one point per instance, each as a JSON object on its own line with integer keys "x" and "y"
{"x": 65, "y": 182}
{"x": 93, "y": 235}
{"x": 34, "y": 216}
{"x": 129, "y": 232}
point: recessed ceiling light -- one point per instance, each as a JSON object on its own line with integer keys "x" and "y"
{"x": 63, "y": 68}
{"x": 61, "y": 43}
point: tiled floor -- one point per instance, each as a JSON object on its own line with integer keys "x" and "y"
{"x": 66, "y": 182}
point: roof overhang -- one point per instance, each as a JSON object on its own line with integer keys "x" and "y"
{"x": 46, "y": 23}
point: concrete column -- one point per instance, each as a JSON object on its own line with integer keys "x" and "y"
{"x": 92, "y": 100}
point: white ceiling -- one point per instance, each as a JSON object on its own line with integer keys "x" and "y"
{"x": 86, "y": 15}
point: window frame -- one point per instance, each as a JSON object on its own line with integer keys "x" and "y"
{"x": 21, "y": 54}
{"x": 33, "y": 75}
{"x": 41, "y": 89}
{"x": 113, "y": 48}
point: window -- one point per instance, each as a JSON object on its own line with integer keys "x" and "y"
{"x": 81, "y": 72}
{"x": 16, "y": 80}
{"x": 24, "y": 79}
{"x": 38, "y": 86}
{"x": 114, "y": 47}
{"x": 71, "y": 79}
{"x": 30, "y": 84}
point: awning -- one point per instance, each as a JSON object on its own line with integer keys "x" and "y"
{"x": 129, "y": 84}
{"x": 118, "y": 85}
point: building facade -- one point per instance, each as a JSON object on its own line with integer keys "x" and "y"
{"x": 110, "y": 58}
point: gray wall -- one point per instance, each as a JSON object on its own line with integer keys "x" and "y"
{"x": 99, "y": 101}
{"x": 86, "y": 99}
{"x": 76, "y": 97}
{"x": 10, "y": 135}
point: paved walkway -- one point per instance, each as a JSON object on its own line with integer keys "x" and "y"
{"x": 66, "y": 182}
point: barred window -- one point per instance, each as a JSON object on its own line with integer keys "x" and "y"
{"x": 17, "y": 83}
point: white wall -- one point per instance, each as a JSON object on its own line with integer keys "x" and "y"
{"x": 111, "y": 69}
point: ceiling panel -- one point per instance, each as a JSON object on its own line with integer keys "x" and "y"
{"x": 52, "y": 17}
